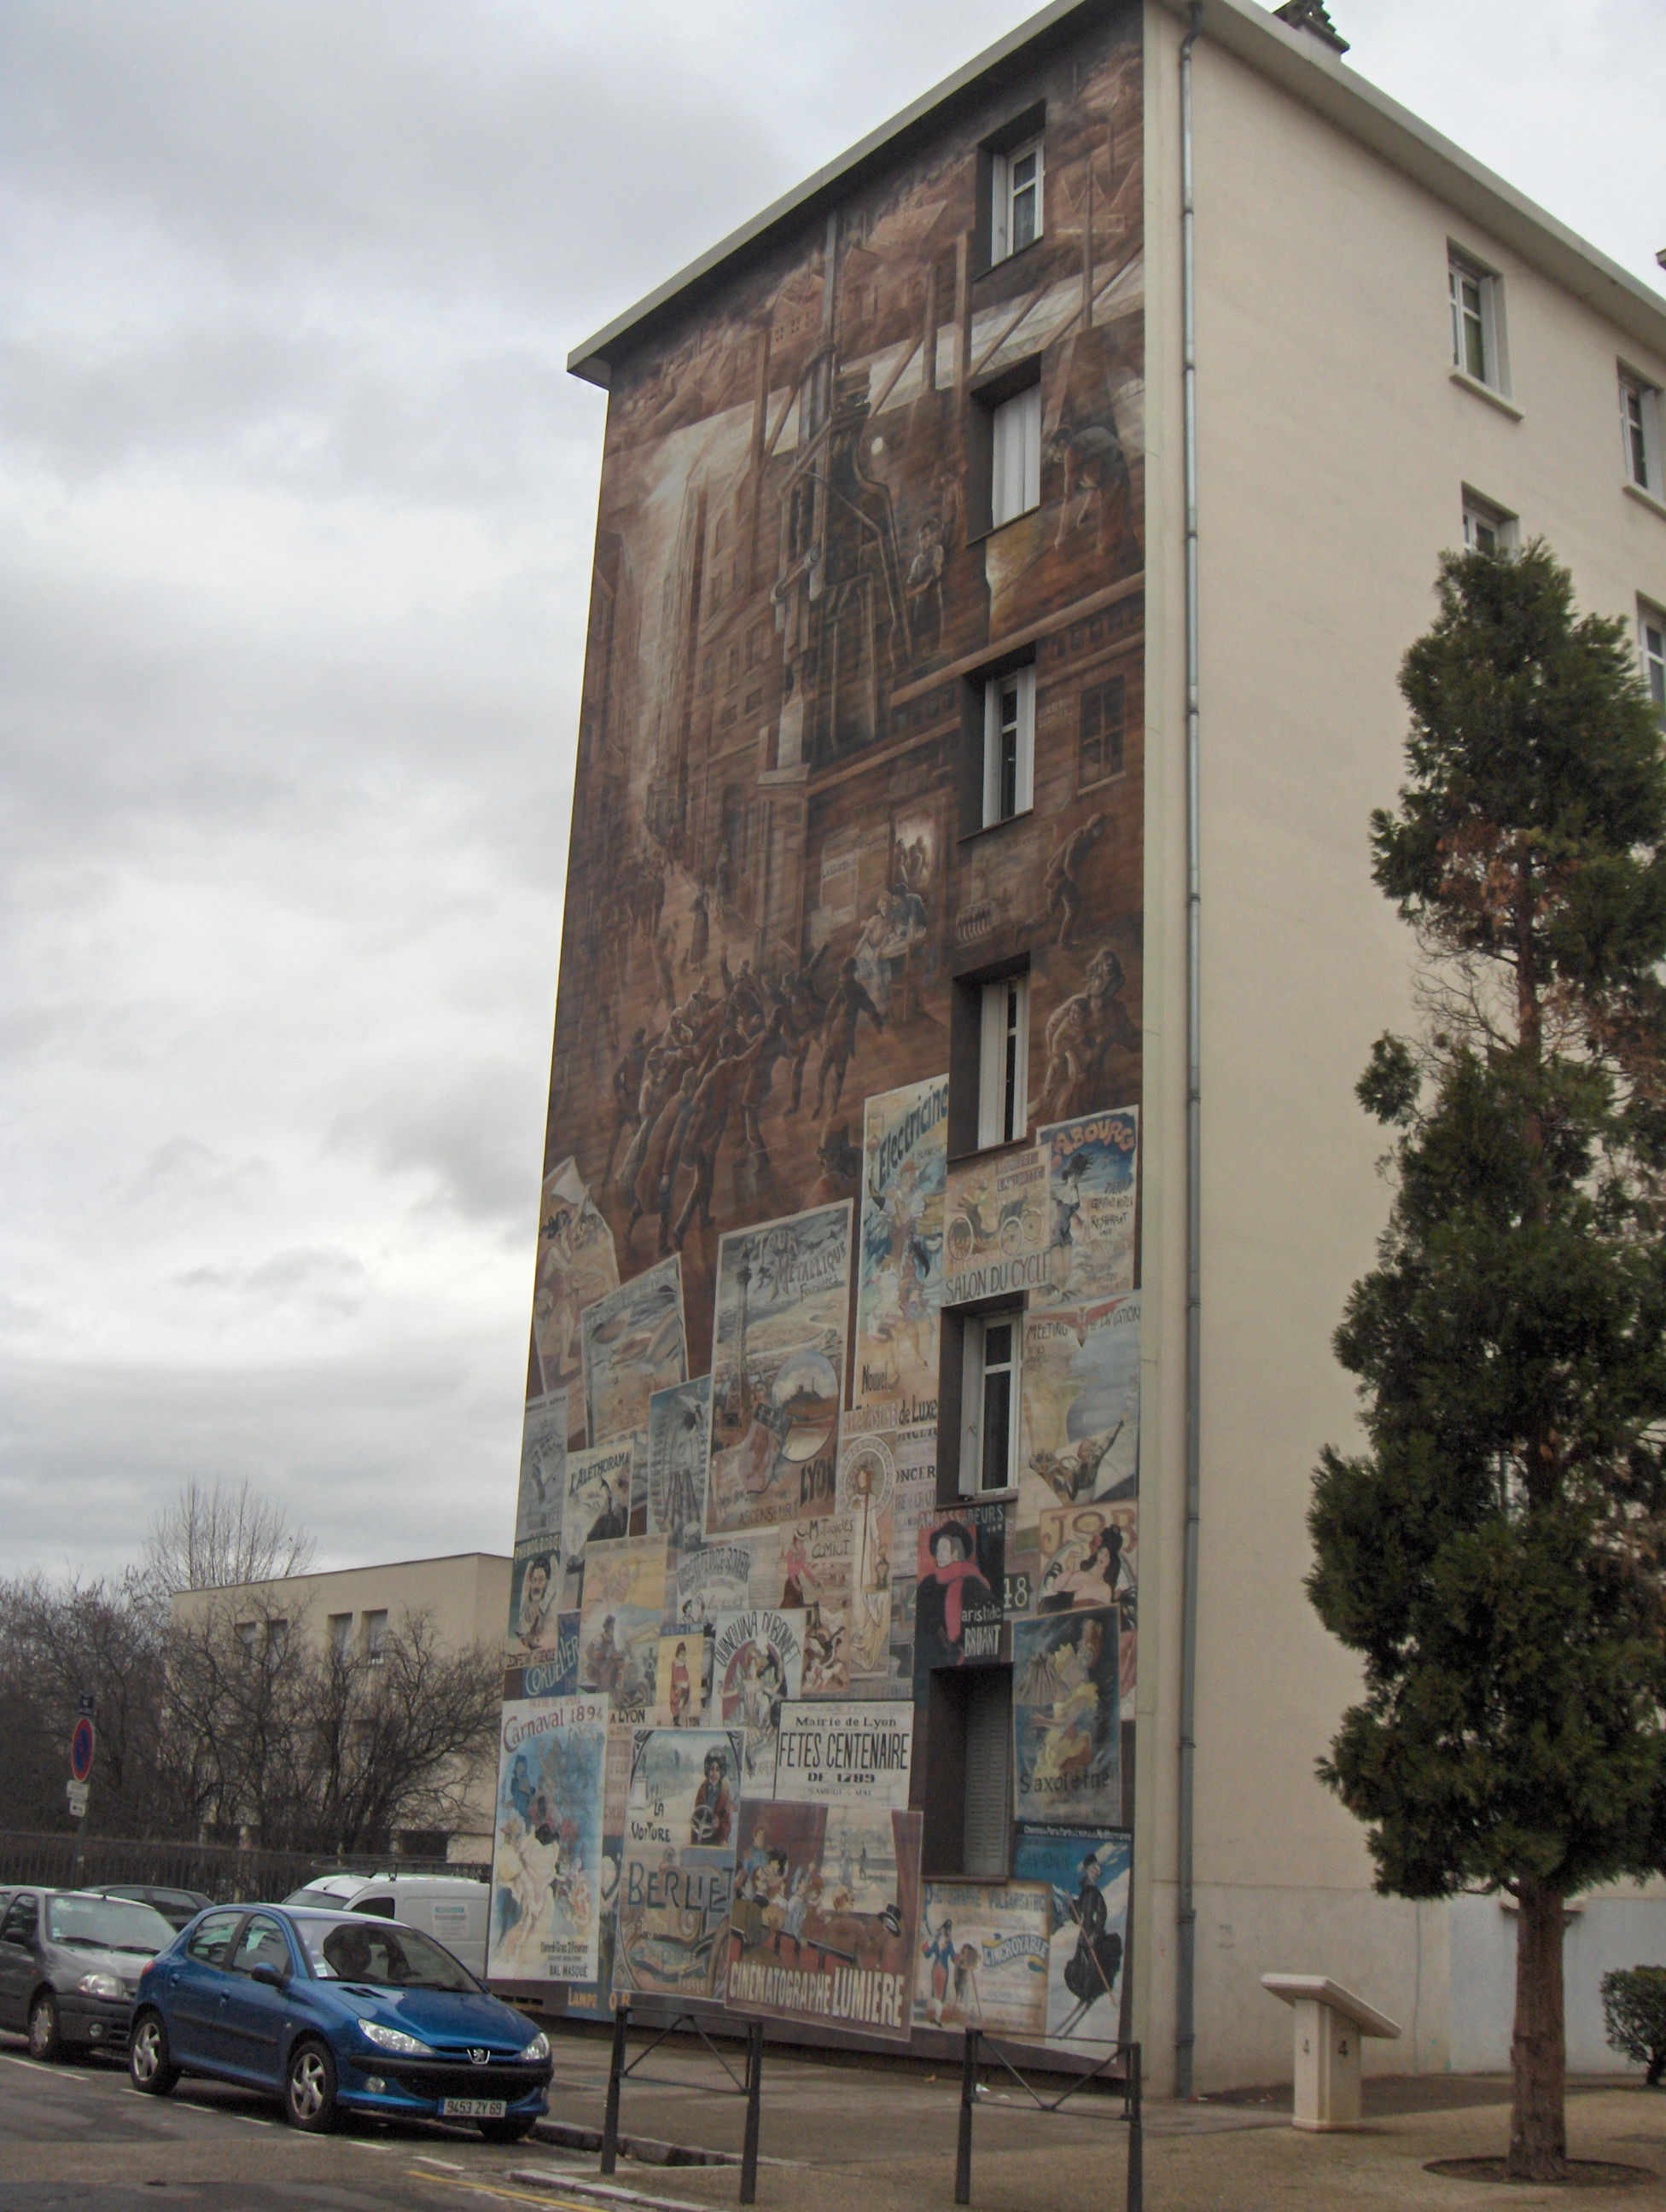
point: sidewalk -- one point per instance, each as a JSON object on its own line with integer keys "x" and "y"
{"x": 836, "y": 2137}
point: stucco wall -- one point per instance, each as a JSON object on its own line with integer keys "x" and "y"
{"x": 1333, "y": 446}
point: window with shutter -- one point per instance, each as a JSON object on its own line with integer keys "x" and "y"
{"x": 985, "y": 1819}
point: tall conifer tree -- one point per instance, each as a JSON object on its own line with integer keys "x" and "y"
{"x": 1495, "y": 1553}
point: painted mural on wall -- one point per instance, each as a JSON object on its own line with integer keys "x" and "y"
{"x": 733, "y": 1559}
{"x": 1086, "y": 1874}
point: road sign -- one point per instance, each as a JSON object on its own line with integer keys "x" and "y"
{"x": 78, "y": 1793}
{"x": 87, "y": 1705}
{"x": 80, "y": 1749}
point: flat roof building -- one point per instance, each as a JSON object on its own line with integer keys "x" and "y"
{"x": 1007, "y": 547}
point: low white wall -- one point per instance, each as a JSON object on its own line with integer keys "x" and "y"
{"x": 1606, "y": 1932}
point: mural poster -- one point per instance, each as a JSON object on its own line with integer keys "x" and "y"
{"x": 866, "y": 1499}
{"x": 1089, "y": 1555}
{"x": 826, "y": 1917}
{"x": 676, "y": 1881}
{"x": 1092, "y": 1189}
{"x": 778, "y": 1350}
{"x": 624, "y": 1605}
{"x": 1067, "y": 1714}
{"x": 633, "y": 1346}
{"x": 710, "y": 1579}
{"x": 542, "y": 1496}
{"x": 812, "y": 1575}
{"x": 598, "y": 1511}
{"x": 855, "y": 1754}
{"x": 594, "y": 1997}
{"x": 900, "y": 1274}
{"x": 983, "y": 1957}
{"x": 547, "y": 1848}
{"x": 575, "y": 1266}
{"x": 683, "y": 1681}
{"x": 679, "y": 1438}
{"x": 757, "y": 1660}
{"x": 535, "y": 1589}
{"x": 995, "y": 1227}
{"x": 960, "y": 1588}
{"x": 554, "y": 1672}
{"x": 1081, "y": 1406}
{"x": 1086, "y": 1872}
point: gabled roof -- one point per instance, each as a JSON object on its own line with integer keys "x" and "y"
{"x": 1300, "y": 63}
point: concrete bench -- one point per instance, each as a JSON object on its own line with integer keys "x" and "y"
{"x": 1331, "y": 2023}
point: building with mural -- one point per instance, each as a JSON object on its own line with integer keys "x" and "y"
{"x": 881, "y": 1511}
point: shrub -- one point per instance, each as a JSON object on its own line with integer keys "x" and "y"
{"x": 1634, "y": 2012}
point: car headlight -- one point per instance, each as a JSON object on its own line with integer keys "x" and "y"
{"x": 393, "y": 2039}
{"x": 538, "y": 2047}
{"x": 99, "y": 1985}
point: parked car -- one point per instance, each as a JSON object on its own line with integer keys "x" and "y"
{"x": 453, "y": 1908}
{"x": 177, "y": 1906}
{"x": 333, "y": 2012}
{"x": 69, "y": 1964}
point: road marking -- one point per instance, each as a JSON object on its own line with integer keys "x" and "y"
{"x": 512, "y": 2196}
{"x": 35, "y": 2067}
{"x": 450, "y": 2165}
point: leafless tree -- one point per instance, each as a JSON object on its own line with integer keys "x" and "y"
{"x": 209, "y": 1535}
{"x": 272, "y": 1736}
{"x": 59, "y": 1642}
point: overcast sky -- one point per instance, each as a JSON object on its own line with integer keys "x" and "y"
{"x": 298, "y": 505}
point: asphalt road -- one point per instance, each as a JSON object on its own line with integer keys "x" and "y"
{"x": 78, "y": 2138}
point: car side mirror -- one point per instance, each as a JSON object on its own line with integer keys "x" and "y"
{"x": 271, "y": 1977}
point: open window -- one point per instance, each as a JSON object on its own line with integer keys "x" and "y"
{"x": 991, "y": 1362}
{"x": 1003, "y": 1071}
{"x": 1476, "y": 296}
{"x": 1009, "y": 746}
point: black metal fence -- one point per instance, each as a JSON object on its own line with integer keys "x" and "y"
{"x": 224, "y": 1871}
{"x": 749, "y": 2084}
{"x": 1047, "y": 2097}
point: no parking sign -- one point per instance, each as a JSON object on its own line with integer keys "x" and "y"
{"x": 80, "y": 1749}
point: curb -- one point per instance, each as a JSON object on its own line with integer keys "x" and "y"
{"x": 647, "y": 2150}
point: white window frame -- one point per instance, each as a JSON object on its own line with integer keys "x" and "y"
{"x": 1015, "y": 456}
{"x": 1009, "y": 745}
{"x": 1481, "y": 515}
{"x": 1640, "y": 432}
{"x": 1485, "y": 321}
{"x": 974, "y": 1371}
{"x": 1009, "y": 186}
{"x": 1651, "y": 650}
{"x": 1003, "y": 1069}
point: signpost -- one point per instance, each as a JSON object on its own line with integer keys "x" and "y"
{"x": 82, "y": 1739}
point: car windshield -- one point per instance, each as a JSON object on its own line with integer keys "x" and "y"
{"x": 107, "y": 1923}
{"x": 380, "y": 1957}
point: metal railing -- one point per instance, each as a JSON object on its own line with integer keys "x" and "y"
{"x": 749, "y": 2086}
{"x": 978, "y": 2045}
{"x": 225, "y": 1872}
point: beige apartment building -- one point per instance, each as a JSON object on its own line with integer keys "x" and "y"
{"x": 464, "y": 1596}
{"x": 1008, "y": 544}
{"x": 1394, "y": 352}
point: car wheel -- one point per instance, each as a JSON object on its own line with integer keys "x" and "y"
{"x": 148, "y": 2066}
{"x": 309, "y": 2089}
{"x": 506, "y": 2131}
{"x": 46, "y": 2031}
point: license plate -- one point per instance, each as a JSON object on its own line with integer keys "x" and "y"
{"x": 472, "y": 2108}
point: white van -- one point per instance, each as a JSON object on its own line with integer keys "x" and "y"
{"x": 451, "y": 1907}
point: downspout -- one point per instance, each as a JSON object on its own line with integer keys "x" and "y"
{"x": 1185, "y": 2015}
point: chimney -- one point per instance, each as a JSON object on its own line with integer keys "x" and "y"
{"x": 1312, "y": 15}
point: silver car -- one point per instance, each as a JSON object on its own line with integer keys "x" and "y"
{"x": 69, "y": 1966}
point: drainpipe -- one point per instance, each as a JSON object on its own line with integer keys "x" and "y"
{"x": 1185, "y": 2035}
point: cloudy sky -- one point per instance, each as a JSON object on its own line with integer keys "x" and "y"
{"x": 297, "y": 510}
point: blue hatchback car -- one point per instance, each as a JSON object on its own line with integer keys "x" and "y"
{"x": 336, "y": 2012}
